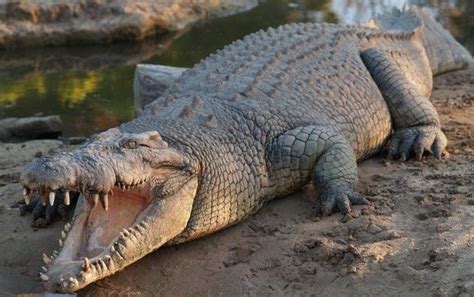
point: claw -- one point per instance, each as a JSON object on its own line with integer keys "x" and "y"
{"x": 357, "y": 199}
{"x": 343, "y": 204}
{"x": 417, "y": 139}
{"x": 326, "y": 211}
{"x": 337, "y": 197}
{"x": 439, "y": 145}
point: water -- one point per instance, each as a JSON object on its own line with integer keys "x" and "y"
{"x": 91, "y": 87}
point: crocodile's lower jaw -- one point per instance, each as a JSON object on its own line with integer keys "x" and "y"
{"x": 97, "y": 243}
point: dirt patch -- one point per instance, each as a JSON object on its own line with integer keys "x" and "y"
{"x": 415, "y": 239}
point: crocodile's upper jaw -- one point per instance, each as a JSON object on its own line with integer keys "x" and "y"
{"x": 99, "y": 243}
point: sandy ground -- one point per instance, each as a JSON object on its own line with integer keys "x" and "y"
{"x": 415, "y": 239}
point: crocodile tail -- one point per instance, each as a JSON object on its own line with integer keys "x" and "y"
{"x": 443, "y": 51}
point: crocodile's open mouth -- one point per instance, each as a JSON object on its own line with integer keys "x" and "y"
{"x": 98, "y": 237}
{"x": 97, "y": 227}
{"x": 103, "y": 240}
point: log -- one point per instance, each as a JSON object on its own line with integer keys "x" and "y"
{"x": 30, "y": 128}
{"x": 150, "y": 81}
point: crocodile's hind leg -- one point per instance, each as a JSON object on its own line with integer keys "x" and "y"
{"x": 416, "y": 122}
{"x": 321, "y": 155}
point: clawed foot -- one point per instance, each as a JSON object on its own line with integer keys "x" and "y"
{"x": 417, "y": 140}
{"x": 339, "y": 198}
{"x": 44, "y": 215}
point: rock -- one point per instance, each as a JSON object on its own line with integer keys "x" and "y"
{"x": 75, "y": 140}
{"x": 30, "y": 128}
{"x": 26, "y": 23}
{"x": 151, "y": 81}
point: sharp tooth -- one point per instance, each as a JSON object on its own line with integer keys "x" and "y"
{"x": 67, "y": 198}
{"x": 47, "y": 260}
{"x": 60, "y": 242}
{"x": 68, "y": 226}
{"x": 112, "y": 249}
{"x": 102, "y": 265}
{"x": 95, "y": 199}
{"x": 97, "y": 267}
{"x": 140, "y": 228}
{"x": 55, "y": 253}
{"x": 86, "y": 264}
{"x": 108, "y": 262}
{"x": 63, "y": 234}
{"x": 27, "y": 200}
{"x": 104, "y": 199}
{"x": 72, "y": 282}
{"x": 26, "y": 196}
{"x": 44, "y": 277}
{"x": 107, "y": 259}
{"x": 44, "y": 268}
{"x": 52, "y": 195}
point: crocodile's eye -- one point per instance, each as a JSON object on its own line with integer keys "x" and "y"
{"x": 131, "y": 144}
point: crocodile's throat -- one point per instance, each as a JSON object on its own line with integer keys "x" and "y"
{"x": 102, "y": 226}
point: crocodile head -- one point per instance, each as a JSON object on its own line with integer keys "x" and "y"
{"x": 137, "y": 195}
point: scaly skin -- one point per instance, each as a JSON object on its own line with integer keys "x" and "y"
{"x": 257, "y": 120}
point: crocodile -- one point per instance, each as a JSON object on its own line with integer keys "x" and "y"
{"x": 259, "y": 119}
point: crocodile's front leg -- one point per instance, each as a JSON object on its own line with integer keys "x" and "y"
{"x": 416, "y": 122}
{"x": 321, "y": 155}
